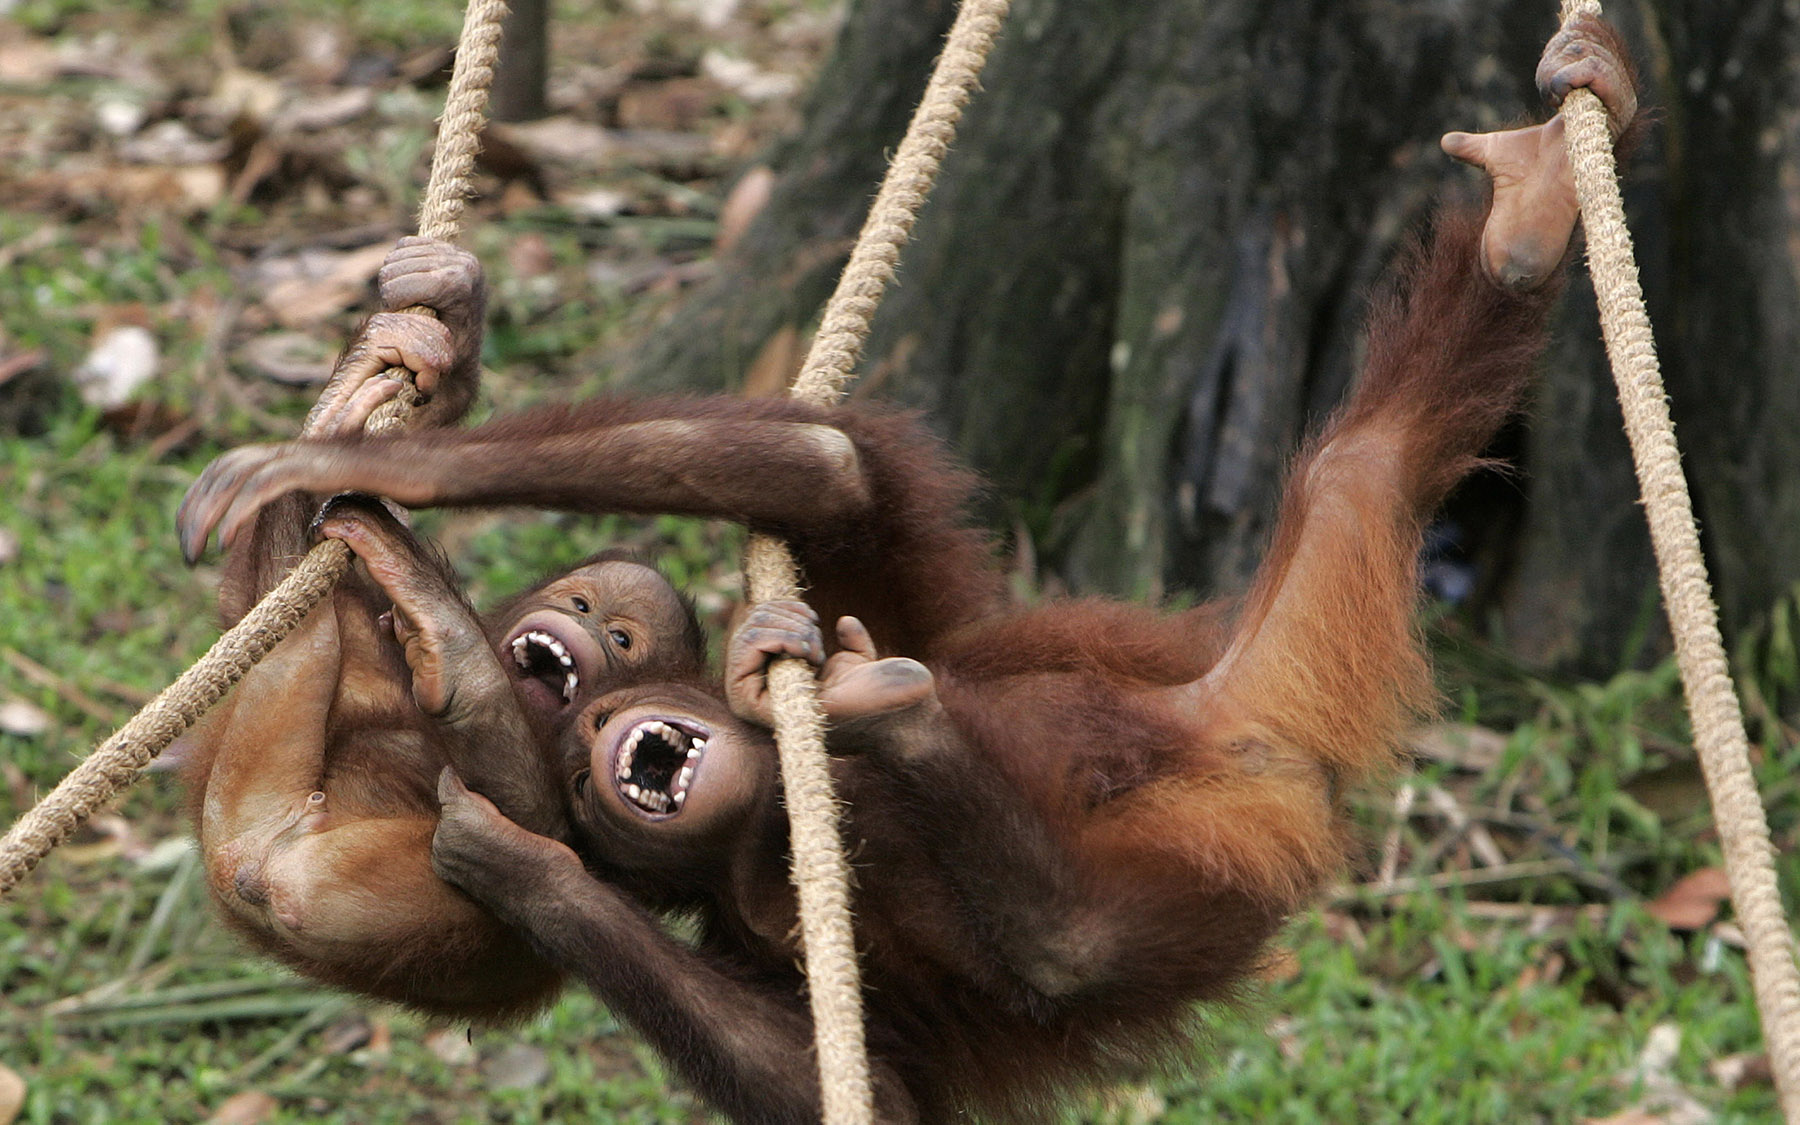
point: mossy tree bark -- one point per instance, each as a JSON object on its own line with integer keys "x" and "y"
{"x": 1141, "y": 278}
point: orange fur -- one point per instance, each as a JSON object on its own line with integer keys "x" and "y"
{"x": 1105, "y": 813}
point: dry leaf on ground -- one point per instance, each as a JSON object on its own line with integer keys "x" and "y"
{"x": 252, "y": 1107}
{"x": 1694, "y": 901}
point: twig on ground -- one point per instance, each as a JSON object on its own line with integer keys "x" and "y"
{"x": 66, "y": 691}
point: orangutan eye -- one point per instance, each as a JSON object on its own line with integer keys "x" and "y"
{"x": 620, "y": 637}
{"x": 581, "y": 604}
{"x": 601, "y": 718}
{"x": 581, "y": 782}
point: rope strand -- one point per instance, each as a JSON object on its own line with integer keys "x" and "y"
{"x": 820, "y": 872}
{"x": 1719, "y": 737}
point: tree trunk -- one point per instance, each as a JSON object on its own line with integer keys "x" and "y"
{"x": 1141, "y": 278}
{"x": 522, "y": 73}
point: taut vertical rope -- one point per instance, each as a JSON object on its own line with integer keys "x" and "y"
{"x": 1719, "y": 737}
{"x": 120, "y": 759}
{"x": 819, "y": 869}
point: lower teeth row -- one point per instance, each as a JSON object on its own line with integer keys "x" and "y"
{"x": 653, "y": 799}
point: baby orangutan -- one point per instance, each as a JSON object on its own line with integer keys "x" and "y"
{"x": 1070, "y": 823}
{"x": 313, "y": 784}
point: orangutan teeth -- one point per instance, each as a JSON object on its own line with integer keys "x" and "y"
{"x": 531, "y": 652}
{"x": 654, "y": 765}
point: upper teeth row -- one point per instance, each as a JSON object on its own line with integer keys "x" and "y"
{"x": 521, "y": 647}
{"x": 683, "y": 778}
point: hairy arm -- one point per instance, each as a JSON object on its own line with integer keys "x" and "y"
{"x": 735, "y": 460}
{"x": 456, "y": 679}
{"x": 746, "y": 1048}
{"x": 444, "y": 352}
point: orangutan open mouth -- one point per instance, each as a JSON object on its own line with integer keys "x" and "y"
{"x": 654, "y": 765}
{"x": 543, "y": 658}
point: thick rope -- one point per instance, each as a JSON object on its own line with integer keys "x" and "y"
{"x": 1719, "y": 737}
{"x": 120, "y": 759}
{"x": 820, "y": 871}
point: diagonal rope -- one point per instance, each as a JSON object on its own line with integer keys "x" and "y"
{"x": 120, "y": 759}
{"x": 1719, "y": 737}
{"x": 820, "y": 871}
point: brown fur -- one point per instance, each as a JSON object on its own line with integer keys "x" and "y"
{"x": 349, "y": 899}
{"x": 1113, "y": 810}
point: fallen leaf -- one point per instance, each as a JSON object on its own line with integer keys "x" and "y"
{"x": 318, "y": 284}
{"x": 747, "y": 80}
{"x": 121, "y": 361}
{"x": 120, "y": 117}
{"x": 12, "y": 1095}
{"x": 451, "y": 1046}
{"x": 1694, "y": 901}
{"x": 326, "y": 111}
{"x": 28, "y": 62}
{"x": 679, "y": 103}
{"x": 252, "y": 1107}
{"x": 1734, "y": 1072}
{"x": 247, "y": 94}
{"x": 519, "y": 1066}
{"x": 173, "y": 143}
{"x": 294, "y": 358}
{"x": 710, "y": 14}
{"x": 599, "y": 203}
{"x": 559, "y": 140}
{"x": 674, "y": 152}
{"x": 346, "y": 1035}
{"x": 24, "y": 719}
{"x": 747, "y": 199}
{"x": 1283, "y": 1031}
{"x": 186, "y": 188}
{"x": 1664, "y": 1100}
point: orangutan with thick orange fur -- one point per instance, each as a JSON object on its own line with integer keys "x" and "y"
{"x": 1069, "y": 823}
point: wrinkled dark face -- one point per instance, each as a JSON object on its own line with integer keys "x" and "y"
{"x": 596, "y": 627}
{"x": 666, "y": 762}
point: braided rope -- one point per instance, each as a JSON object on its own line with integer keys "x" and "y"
{"x": 1719, "y": 737}
{"x": 820, "y": 871}
{"x": 120, "y": 759}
